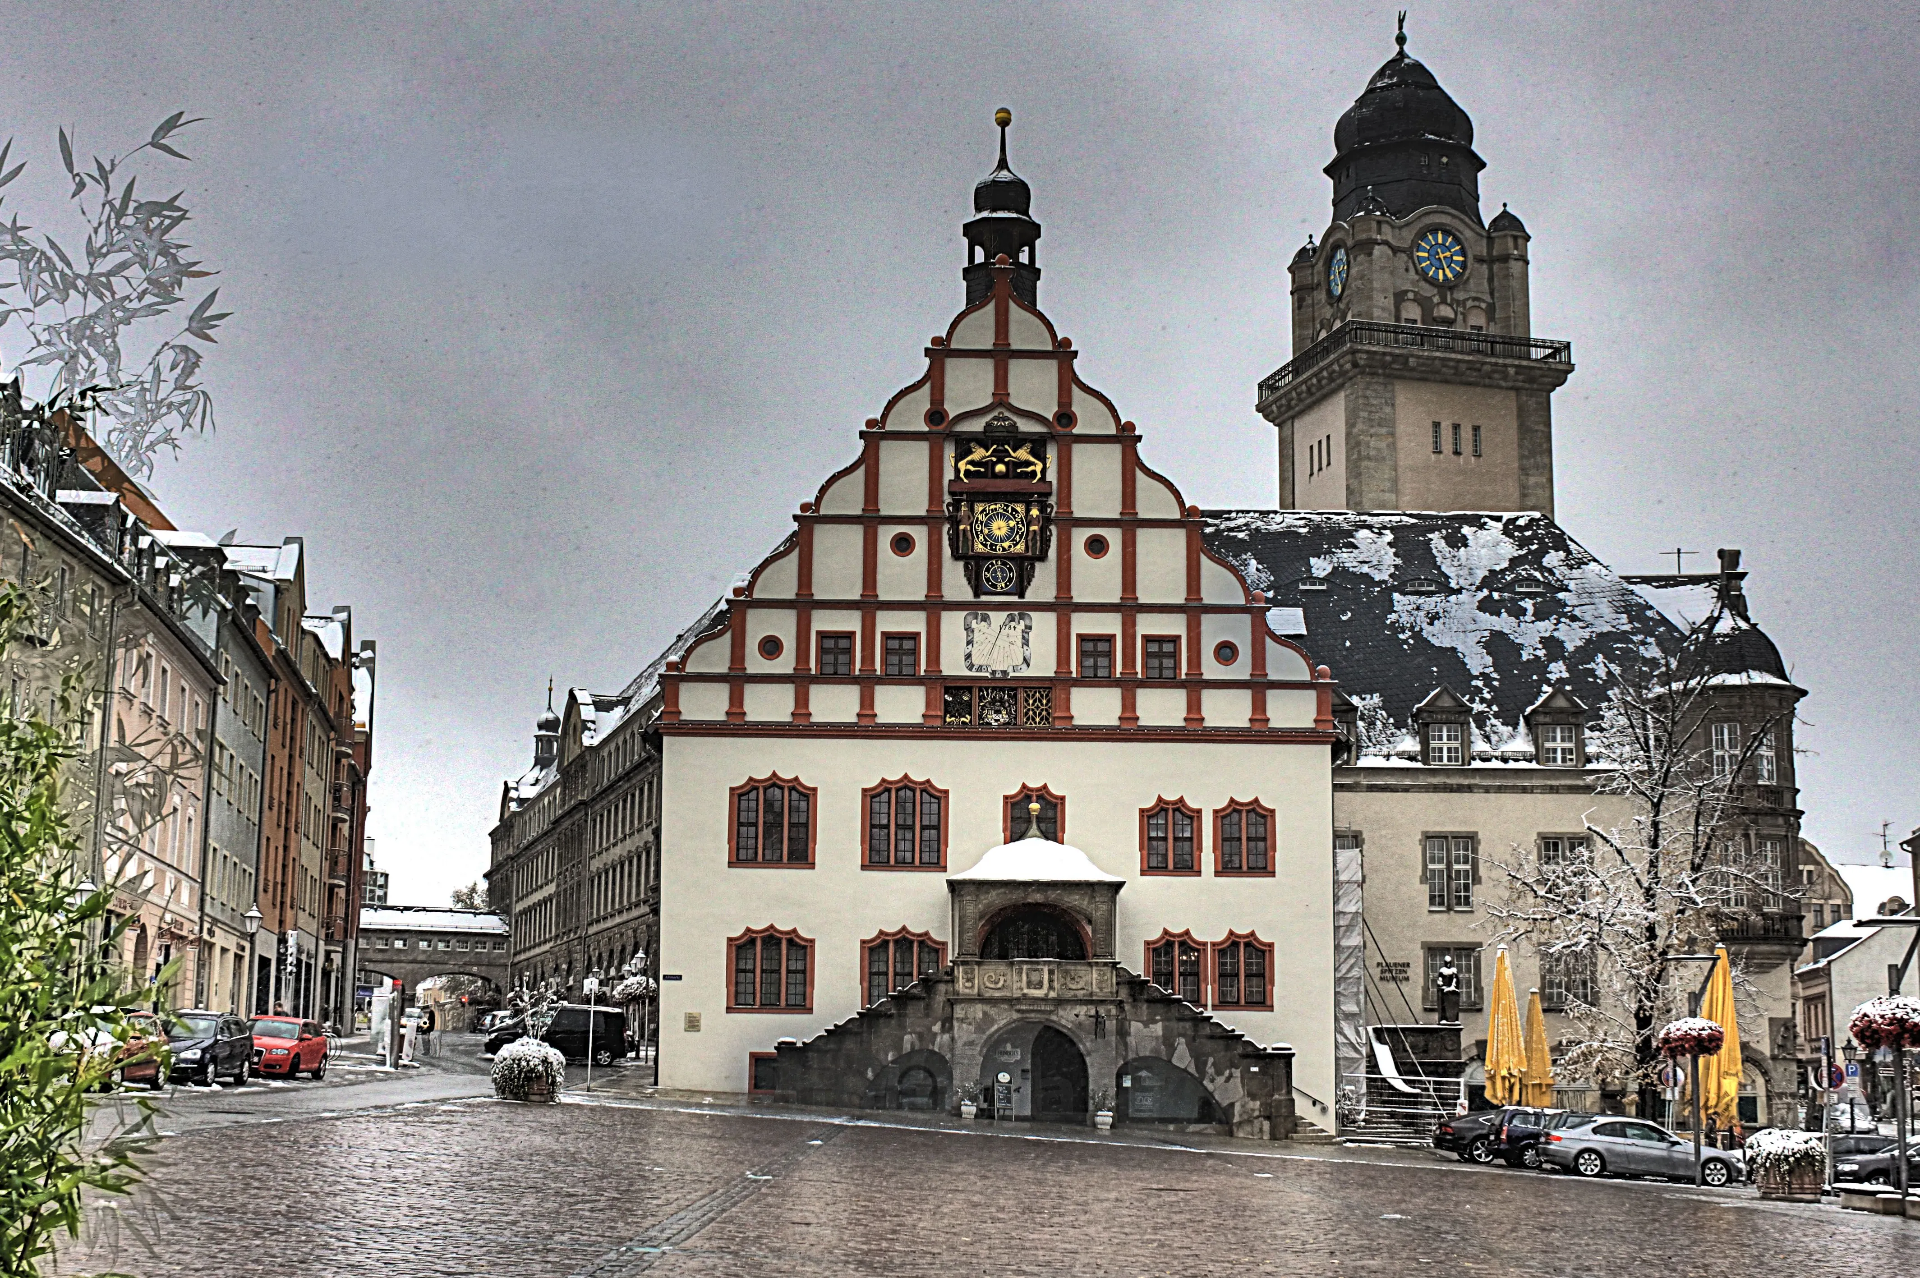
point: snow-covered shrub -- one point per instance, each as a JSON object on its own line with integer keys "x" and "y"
{"x": 526, "y": 1066}
{"x": 632, "y": 989}
{"x": 1784, "y": 1150}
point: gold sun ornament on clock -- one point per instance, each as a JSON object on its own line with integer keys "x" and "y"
{"x": 1000, "y": 527}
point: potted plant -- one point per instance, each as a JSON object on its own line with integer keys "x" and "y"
{"x": 1103, "y": 1111}
{"x": 1889, "y": 1021}
{"x": 528, "y": 1070}
{"x": 969, "y": 1101}
{"x": 1788, "y": 1164}
{"x": 1691, "y": 1036}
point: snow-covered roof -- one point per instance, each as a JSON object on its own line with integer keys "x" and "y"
{"x": 646, "y": 685}
{"x": 277, "y": 562}
{"x": 424, "y": 918}
{"x": 185, "y": 537}
{"x": 1500, "y": 607}
{"x": 1035, "y": 861}
{"x": 1873, "y": 884}
{"x": 331, "y": 631}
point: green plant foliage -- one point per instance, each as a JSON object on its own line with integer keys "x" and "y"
{"x": 63, "y": 1008}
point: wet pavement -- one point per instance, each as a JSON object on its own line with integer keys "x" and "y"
{"x": 426, "y": 1174}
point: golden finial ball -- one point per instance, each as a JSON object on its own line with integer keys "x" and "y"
{"x": 1003, "y": 117}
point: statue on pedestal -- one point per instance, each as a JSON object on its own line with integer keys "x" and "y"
{"x": 1447, "y": 982}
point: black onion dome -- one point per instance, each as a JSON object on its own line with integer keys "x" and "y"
{"x": 1735, "y": 646}
{"x": 1409, "y": 141}
{"x": 1002, "y": 225}
{"x": 547, "y": 722}
{"x": 1306, "y": 252}
{"x": 1003, "y": 190}
{"x": 1505, "y": 223}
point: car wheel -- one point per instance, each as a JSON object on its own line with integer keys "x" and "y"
{"x": 1481, "y": 1150}
{"x": 1530, "y": 1158}
{"x": 1715, "y": 1173}
{"x": 158, "y": 1081}
{"x": 320, "y": 1070}
{"x": 603, "y": 1057}
{"x": 246, "y": 1071}
{"x": 1877, "y": 1178}
{"x": 1589, "y": 1163}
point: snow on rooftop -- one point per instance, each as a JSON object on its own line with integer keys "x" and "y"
{"x": 1035, "y": 861}
{"x": 423, "y": 918}
{"x": 185, "y": 537}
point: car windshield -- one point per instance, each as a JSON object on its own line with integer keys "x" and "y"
{"x": 196, "y": 1027}
{"x": 276, "y": 1029}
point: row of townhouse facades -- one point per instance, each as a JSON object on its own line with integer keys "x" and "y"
{"x": 223, "y": 735}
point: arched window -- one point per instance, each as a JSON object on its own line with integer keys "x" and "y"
{"x": 1016, "y": 814}
{"x": 1243, "y": 838}
{"x": 906, "y": 826}
{"x": 1034, "y": 932}
{"x": 1242, "y": 971}
{"x": 1170, "y": 837}
{"x": 896, "y": 959}
{"x": 772, "y": 822}
{"x": 771, "y": 971}
{"x": 1178, "y": 964}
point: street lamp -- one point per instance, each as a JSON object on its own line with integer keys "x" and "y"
{"x": 252, "y": 919}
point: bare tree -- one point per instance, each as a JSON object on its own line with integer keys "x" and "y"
{"x": 1607, "y": 917}
{"x": 125, "y": 283}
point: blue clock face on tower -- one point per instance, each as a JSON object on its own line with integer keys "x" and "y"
{"x": 1337, "y": 272}
{"x": 1440, "y": 256}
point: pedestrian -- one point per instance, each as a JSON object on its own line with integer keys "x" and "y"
{"x": 279, "y": 1008}
{"x": 427, "y": 1043}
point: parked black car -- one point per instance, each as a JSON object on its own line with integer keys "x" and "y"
{"x": 1875, "y": 1167}
{"x": 1521, "y": 1132}
{"x": 568, "y": 1033}
{"x": 210, "y": 1045}
{"x": 1471, "y": 1136}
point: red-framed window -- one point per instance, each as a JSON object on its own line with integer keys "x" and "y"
{"x": 1016, "y": 813}
{"x": 901, "y": 650}
{"x": 1178, "y": 964}
{"x": 1096, "y": 656}
{"x": 1242, "y": 971}
{"x": 1160, "y": 657}
{"x": 894, "y": 960}
{"x": 1170, "y": 837}
{"x": 906, "y": 826}
{"x": 769, "y": 969}
{"x": 763, "y": 1078}
{"x": 1243, "y": 838}
{"x": 836, "y": 653}
{"x": 771, "y": 823}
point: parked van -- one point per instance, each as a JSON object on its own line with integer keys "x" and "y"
{"x": 567, "y": 1033}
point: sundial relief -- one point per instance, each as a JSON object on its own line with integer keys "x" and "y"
{"x": 999, "y": 646}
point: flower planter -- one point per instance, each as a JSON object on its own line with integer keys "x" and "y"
{"x": 1792, "y": 1185}
{"x": 967, "y": 1110}
{"x": 528, "y": 1070}
{"x": 1103, "y": 1121}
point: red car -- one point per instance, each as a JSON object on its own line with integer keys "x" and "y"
{"x": 143, "y": 1056}
{"x": 289, "y": 1047}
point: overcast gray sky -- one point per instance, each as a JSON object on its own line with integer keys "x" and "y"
{"x": 546, "y": 319}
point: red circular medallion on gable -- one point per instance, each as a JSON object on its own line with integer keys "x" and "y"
{"x": 1225, "y": 653}
{"x": 902, "y": 544}
{"x": 771, "y": 647}
{"x": 1095, "y": 546}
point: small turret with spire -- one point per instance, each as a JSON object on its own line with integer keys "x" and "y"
{"x": 546, "y": 734}
{"x": 1002, "y": 224}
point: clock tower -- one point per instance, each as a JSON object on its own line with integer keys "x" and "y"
{"x": 1416, "y": 382}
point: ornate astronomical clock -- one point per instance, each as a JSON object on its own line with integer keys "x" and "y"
{"x": 999, "y": 507}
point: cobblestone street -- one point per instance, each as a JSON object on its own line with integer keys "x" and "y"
{"x": 383, "y": 1183}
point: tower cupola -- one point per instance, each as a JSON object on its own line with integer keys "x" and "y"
{"x": 1002, "y": 223}
{"x": 1405, "y": 143}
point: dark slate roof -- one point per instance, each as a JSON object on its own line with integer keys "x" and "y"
{"x": 1498, "y": 607}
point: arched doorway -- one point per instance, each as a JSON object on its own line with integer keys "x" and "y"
{"x": 1059, "y": 1078}
{"x": 1153, "y": 1090}
{"x": 1034, "y": 932}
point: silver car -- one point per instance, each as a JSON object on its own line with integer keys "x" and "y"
{"x": 1614, "y": 1146}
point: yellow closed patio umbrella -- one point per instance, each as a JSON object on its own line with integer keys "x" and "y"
{"x": 1538, "y": 1087}
{"x": 1720, "y": 1073}
{"x": 1506, "y": 1057}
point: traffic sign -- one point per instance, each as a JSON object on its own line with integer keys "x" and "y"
{"x": 1853, "y": 1069}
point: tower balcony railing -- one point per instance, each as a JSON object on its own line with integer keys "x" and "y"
{"x": 1411, "y": 337}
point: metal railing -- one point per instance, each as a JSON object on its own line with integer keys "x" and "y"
{"x": 1763, "y": 927}
{"x": 1411, "y": 337}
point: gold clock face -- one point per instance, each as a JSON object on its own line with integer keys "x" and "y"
{"x": 1000, "y": 527}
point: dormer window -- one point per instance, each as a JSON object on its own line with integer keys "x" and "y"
{"x": 1422, "y": 586}
{"x": 1446, "y": 744}
{"x": 1557, "y": 746}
